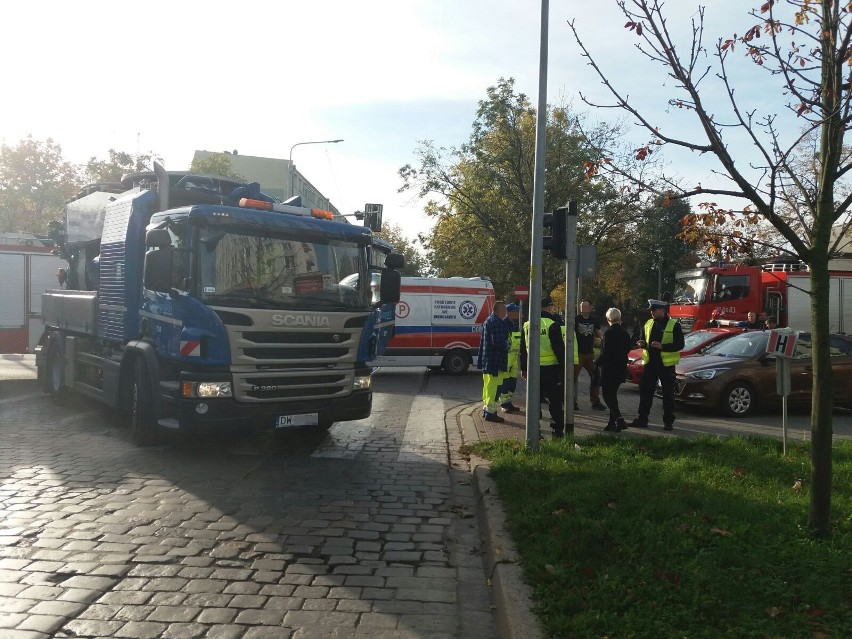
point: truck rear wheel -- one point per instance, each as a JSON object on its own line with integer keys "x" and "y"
{"x": 456, "y": 362}
{"x": 143, "y": 428}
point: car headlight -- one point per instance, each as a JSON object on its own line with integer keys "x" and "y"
{"x": 206, "y": 389}
{"x": 363, "y": 383}
{"x": 708, "y": 373}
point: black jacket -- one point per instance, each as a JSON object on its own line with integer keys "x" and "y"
{"x": 613, "y": 357}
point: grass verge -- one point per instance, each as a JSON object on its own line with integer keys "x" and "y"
{"x": 668, "y": 537}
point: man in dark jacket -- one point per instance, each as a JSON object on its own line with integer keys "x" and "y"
{"x": 662, "y": 341}
{"x": 493, "y": 359}
{"x": 551, "y": 362}
{"x": 612, "y": 363}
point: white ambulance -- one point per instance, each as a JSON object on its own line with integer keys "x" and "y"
{"x": 439, "y": 323}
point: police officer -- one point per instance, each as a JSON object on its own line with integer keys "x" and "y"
{"x": 661, "y": 345}
{"x": 510, "y": 379}
{"x": 551, "y": 362}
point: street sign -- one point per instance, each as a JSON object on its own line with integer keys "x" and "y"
{"x": 522, "y": 291}
{"x": 782, "y": 342}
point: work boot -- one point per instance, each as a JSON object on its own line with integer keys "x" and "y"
{"x": 509, "y": 408}
{"x": 620, "y": 425}
{"x": 598, "y": 406}
{"x": 668, "y": 426}
{"x": 638, "y": 423}
{"x": 610, "y": 426}
{"x": 493, "y": 417}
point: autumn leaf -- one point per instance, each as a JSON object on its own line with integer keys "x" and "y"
{"x": 774, "y": 612}
{"x": 643, "y": 153}
{"x": 797, "y": 485}
{"x": 766, "y": 7}
{"x": 739, "y": 471}
{"x": 549, "y": 569}
{"x": 720, "y": 531}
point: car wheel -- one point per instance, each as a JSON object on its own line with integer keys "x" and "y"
{"x": 143, "y": 428}
{"x": 456, "y": 362}
{"x": 738, "y": 400}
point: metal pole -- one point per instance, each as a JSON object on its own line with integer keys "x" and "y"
{"x": 290, "y": 165}
{"x": 536, "y": 258}
{"x": 570, "y": 303}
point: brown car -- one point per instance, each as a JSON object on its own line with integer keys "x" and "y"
{"x": 736, "y": 375}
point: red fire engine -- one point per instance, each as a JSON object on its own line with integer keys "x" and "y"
{"x": 780, "y": 289}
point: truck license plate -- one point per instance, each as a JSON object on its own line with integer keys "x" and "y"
{"x": 289, "y": 421}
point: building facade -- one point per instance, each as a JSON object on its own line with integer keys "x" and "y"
{"x": 277, "y": 178}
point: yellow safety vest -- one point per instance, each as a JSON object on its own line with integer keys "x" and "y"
{"x": 670, "y": 358}
{"x": 547, "y": 356}
{"x": 576, "y": 352}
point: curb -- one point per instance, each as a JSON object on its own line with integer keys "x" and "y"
{"x": 511, "y": 595}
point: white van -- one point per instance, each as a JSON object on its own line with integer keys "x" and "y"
{"x": 439, "y": 323}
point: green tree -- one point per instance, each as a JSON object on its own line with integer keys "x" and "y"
{"x": 415, "y": 263}
{"x": 481, "y": 193}
{"x": 806, "y": 46}
{"x": 216, "y": 164}
{"x": 119, "y": 164}
{"x": 35, "y": 182}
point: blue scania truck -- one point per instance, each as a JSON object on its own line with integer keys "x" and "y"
{"x": 197, "y": 301}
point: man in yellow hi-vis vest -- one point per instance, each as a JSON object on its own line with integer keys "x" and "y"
{"x": 509, "y": 380}
{"x": 551, "y": 362}
{"x": 662, "y": 343}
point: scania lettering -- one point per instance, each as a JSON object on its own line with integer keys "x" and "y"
{"x": 197, "y": 301}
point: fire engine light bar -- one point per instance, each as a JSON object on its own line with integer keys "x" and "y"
{"x": 206, "y": 389}
{"x": 255, "y": 204}
{"x": 324, "y": 215}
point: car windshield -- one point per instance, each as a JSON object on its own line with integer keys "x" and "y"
{"x": 253, "y": 271}
{"x": 745, "y": 345}
{"x": 695, "y": 340}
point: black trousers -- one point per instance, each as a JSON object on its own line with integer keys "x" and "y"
{"x": 609, "y": 389}
{"x": 551, "y": 388}
{"x": 647, "y": 387}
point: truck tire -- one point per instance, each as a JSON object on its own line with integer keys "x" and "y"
{"x": 738, "y": 400}
{"x": 54, "y": 374}
{"x": 143, "y": 428}
{"x": 456, "y": 362}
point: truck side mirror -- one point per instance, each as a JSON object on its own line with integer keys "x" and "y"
{"x": 373, "y": 217}
{"x": 395, "y": 260}
{"x": 158, "y": 238}
{"x": 158, "y": 269}
{"x": 390, "y": 288}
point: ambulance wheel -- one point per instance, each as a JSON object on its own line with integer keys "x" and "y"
{"x": 456, "y": 362}
{"x": 143, "y": 429}
{"x": 54, "y": 379}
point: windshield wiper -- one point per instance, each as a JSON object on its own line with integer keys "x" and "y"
{"x": 255, "y": 301}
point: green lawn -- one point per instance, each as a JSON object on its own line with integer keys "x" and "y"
{"x": 672, "y": 538}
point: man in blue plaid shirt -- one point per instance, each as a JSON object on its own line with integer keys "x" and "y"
{"x": 493, "y": 359}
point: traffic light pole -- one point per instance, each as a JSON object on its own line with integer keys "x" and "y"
{"x": 536, "y": 258}
{"x": 570, "y": 315}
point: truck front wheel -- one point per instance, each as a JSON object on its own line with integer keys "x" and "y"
{"x": 143, "y": 428}
{"x": 456, "y": 362}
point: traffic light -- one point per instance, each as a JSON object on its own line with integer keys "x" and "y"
{"x": 556, "y": 233}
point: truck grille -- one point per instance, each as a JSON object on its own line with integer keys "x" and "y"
{"x": 294, "y": 363}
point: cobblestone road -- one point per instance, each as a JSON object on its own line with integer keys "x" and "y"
{"x": 365, "y": 532}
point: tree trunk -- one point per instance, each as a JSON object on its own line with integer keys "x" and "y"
{"x": 819, "y": 519}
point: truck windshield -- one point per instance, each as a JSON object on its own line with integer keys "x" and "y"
{"x": 251, "y": 271}
{"x": 689, "y": 289}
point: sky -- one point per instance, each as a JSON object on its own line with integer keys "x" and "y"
{"x": 259, "y": 77}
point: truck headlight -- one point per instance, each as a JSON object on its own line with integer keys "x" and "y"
{"x": 206, "y": 389}
{"x": 363, "y": 382}
{"x": 709, "y": 373}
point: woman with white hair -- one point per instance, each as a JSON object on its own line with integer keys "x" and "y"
{"x": 612, "y": 362}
